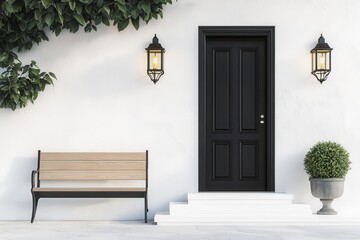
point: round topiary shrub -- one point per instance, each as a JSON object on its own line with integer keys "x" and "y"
{"x": 327, "y": 160}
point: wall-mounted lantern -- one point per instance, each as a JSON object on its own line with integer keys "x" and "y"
{"x": 155, "y": 60}
{"x": 321, "y": 60}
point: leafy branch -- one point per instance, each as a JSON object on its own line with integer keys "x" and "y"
{"x": 21, "y": 83}
{"x": 26, "y": 22}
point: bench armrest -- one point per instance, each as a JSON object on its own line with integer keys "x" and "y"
{"x": 33, "y": 178}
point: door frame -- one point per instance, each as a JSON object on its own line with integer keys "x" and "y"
{"x": 240, "y": 31}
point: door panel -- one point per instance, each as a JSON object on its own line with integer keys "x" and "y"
{"x": 248, "y": 160}
{"x": 234, "y": 93}
{"x": 221, "y": 89}
{"x": 221, "y": 161}
{"x": 248, "y": 94}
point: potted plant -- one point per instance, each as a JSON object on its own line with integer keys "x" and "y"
{"x": 327, "y": 163}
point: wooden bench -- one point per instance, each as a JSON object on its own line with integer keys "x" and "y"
{"x": 67, "y": 166}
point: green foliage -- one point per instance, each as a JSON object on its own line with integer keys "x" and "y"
{"x": 20, "y": 84}
{"x": 327, "y": 160}
{"x": 26, "y": 22}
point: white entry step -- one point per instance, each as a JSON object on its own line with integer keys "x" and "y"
{"x": 232, "y": 198}
{"x": 245, "y": 208}
{"x": 183, "y": 209}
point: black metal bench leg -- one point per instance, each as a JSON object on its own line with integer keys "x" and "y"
{"x": 146, "y": 208}
{"x": 35, "y": 203}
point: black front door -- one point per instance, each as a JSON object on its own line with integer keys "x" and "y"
{"x": 234, "y": 95}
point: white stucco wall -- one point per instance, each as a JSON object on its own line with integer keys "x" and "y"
{"x": 104, "y": 101}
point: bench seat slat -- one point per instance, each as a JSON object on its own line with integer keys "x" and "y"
{"x": 93, "y": 156}
{"x": 93, "y": 175}
{"x": 92, "y": 165}
{"x": 90, "y": 189}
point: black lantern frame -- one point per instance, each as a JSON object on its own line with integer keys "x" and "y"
{"x": 155, "y": 60}
{"x": 321, "y": 60}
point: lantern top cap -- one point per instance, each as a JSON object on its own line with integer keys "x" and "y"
{"x": 321, "y": 45}
{"x": 155, "y": 45}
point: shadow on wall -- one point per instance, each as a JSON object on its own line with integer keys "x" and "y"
{"x": 17, "y": 188}
{"x": 119, "y": 75}
{"x": 112, "y": 83}
{"x": 298, "y": 184}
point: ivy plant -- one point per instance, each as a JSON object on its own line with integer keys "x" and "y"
{"x": 24, "y": 23}
{"x": 21, "y": 83}
{"x": 327, "y": 160}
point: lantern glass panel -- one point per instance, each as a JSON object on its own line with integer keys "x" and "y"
{"x": 314, "y": 61}
{"x": 155, "y": 60}
{"x": 323, "y": 60}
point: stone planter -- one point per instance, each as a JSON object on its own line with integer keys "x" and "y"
{"x": 327, "y": 189}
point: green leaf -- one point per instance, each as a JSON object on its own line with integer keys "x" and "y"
{"x": 59, "y": 8}
{"x": 88, "y": 28}
{"x": 74, "y": 27}
{"x": 98, "y": 20}
{"x": 46, "y": 3}
{"x": 48, "y": 80}
{"x": 123, "y": 24}
{"x": 121, "y": 7}
{"x": 49, "y": 19}
{"x": 107, "y": 10}
{"x": 61, "y": 19}
{"x": 39, "y": 25}
{"x": 37, "y": 15}
{"x": 30, "y": 25}
{"x": 154, "y": 15}
{"x": 135, "y": 13}
{"x": 43, "y": 36}
{"x": 78, "y": 9}
{"x": 10, "y": 1}
{"x": 22, "y": 26}
{"x": 15, "y": 97}
{"x": 12, "y": 106}
{"x": 135, "y": 23}
{"x": 4, "y": 56}
{"x": 57, "y": 31}
{"x": 88, "y": 8}
{"x": 72, "y": 4}
{"x": 146, "y": 7}
{"x": 52, "y": 75}
{"x": 100, "y": 3}
{"x": 105, "y": 21}
{"x": 8, "y": 7}
{"x": 79, "y": 18}
{"x": 17, "y": 7}
{"x": 27, "y": 2}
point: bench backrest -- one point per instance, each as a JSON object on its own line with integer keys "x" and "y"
{"x": 92, "y": 166}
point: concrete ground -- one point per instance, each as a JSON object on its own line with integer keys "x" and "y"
{"x": 111, "y": 230}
